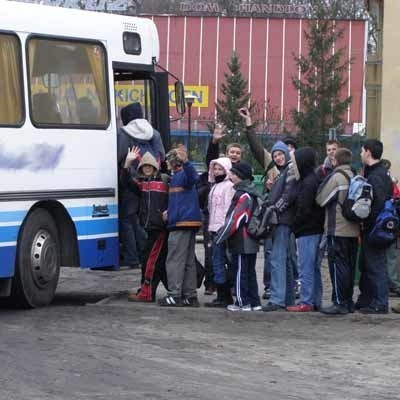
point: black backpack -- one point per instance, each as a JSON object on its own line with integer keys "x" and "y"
{"x": 263, "y": 219}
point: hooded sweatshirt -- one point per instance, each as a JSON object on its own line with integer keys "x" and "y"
{"x": 220, "y": 196}
{"x": 140, "y": 133}
{"x": 309, "y": 216}
{"x": 152, "y": 192}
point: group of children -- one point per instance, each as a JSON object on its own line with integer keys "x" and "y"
{"x": 307, "y": 202}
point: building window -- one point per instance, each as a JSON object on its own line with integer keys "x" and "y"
{"x": 11, "y": 98}
{"x": 68, "y": 83}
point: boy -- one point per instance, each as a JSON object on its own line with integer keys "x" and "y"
{"x": 184, "y": 219}
{"x": 243, "y": 248}
{"x": 152, "y": 189}
{"x": 341, "y": 234}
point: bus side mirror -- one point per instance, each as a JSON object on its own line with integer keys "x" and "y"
{"x": 180, "y": 98}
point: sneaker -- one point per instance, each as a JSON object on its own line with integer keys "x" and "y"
{"x": 216, "y": 303}
{"x": 191, "y": 302}
{"x": 136, "y": 298}
{"x": 256, "y": 308}
{"x": 233, "y": 307}
{"x": 272, "y": 307}
{"x": 396, "y": 308}
{"x": 170, "y": 301}
{"x": 373, "y": 310}
{"x": 300, "y": 308}
{"x": 246, "y": 308}
{"x": 335, "y": 309}
{"x": 267, "y": 294}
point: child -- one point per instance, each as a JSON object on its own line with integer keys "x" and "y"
{"x": 219, "y": 201}
{"x": 152, "y": 189}
{"x": 243, "y": 247}
{"x": 183, "y": 221}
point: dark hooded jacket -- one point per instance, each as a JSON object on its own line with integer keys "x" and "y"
{"x": 382, "y": 188}
{"x": 309, "y": 216}
{"x": 152, "y": 192}
{"x": 283, "y": 191}
{"x": 237, "y": 218}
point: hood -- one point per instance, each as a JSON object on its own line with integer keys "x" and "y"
{"x": 280, "y": 146}
{"x": 139, "y": 129}
{"x": 247, "y": 186}
{"x": 303, "y": 162}
{"x": 225, "y": 163}
{"x": 328, "y": 164}
{"x": 148, "y": 159}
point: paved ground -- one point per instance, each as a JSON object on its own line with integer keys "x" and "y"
{"x": 93, "y": 344}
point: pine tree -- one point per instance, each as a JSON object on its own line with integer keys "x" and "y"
{"x": 321, "y": 82}
{"x": 234, "y": 96}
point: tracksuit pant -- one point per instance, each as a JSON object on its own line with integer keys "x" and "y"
{"x": 342, "y": 255}
{"x": 246, "y": 280}
{"x": 181, "y": 264}
{"x": 153, "y": 260}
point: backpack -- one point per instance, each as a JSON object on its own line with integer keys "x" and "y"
{"x": 262, "y": 220}
{"x": 357, "y": 204}
{"x": 386, "y": 227}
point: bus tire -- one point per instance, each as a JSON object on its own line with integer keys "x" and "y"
{"x": 38, "y": 261}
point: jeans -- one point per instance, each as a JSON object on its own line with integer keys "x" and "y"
{"x": 219, "y": 262}
{"x": 374, "y": 290}
{"x": 267, "y": 263}
{"x": 282, "y": 287}
{"x": 310, "y": 273}
{"x": 133, "y": 238}
{"x": 292, "y": 256}
{"x": 393, "y": 275}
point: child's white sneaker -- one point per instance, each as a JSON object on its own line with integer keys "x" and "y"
{"x": 246, "y": 308}
{"x": 233, "y": 307}
{"x": 257, "y": 308}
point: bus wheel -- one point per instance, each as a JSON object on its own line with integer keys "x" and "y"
{"x": 38, "y": 261}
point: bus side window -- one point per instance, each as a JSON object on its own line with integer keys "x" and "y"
{"x": 11, "y": 91}
{"x": 68, "y": 83}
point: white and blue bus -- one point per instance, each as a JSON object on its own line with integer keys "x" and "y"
{"x": 60, "y": 70}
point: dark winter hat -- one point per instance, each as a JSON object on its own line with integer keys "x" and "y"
{"x": 242, "y": 170}
{"x": 131, "y": 112}
{"x": 288, "y": 140}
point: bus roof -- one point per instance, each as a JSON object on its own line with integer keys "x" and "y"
{"x": 26, "y": 19}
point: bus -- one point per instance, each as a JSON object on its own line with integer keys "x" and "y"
{"x": 60, "y": 74}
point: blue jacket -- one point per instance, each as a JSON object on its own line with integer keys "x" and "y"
{"x": 183, "y": 201}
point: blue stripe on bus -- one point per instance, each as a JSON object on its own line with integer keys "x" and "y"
{"x": 7, "y": 261}
{"x": 91, "y": 257}
{"x": 74, "y": 212}
{"x": 89, "y": 227}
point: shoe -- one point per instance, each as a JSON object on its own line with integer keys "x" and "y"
{"x": 373, "y": 310}
{"x": 209, "y": 291}
{"x": 246, "y": 308}
{"x": 272, "y": 307}
{"x": 216, "y": 303}
{"x": 233, "y": 308}
{"x": 256, "y": 308}
{"x": 267, "y": 294}
{"x": 191, "y": 302}
{"x": 394, "y": 292}
{"x": 300, "y": 308}
{"x": 137, "y": 298}
{"x": 335, "y": 309}
{"x": 396, "y": 308}
{"x": 170, "y": 301}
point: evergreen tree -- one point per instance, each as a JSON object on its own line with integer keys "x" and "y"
{"x": 321, "y": 82}
{"x": 234, "y": 96}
